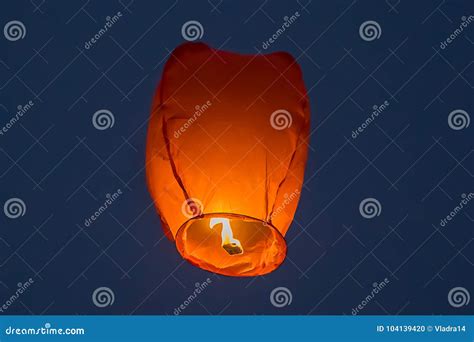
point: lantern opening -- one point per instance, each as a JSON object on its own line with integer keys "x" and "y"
{"x": 229, "y": 243}
{"x": 259, "y": 250}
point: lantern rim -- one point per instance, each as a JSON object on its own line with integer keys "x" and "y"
{"x": 274, "y": 242}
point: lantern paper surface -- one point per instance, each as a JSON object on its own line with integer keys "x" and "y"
{"x": 226, "y": 152}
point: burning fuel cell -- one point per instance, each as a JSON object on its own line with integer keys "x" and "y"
{"x": 231, "y": 245}
{"x": 220, "y": 169}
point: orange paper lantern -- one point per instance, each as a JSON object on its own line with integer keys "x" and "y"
{"x": 226, "y": 152}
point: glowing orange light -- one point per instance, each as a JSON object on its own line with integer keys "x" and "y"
{"x": 226, "y": 153}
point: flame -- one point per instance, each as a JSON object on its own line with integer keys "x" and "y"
{"x": 229, "y": 243}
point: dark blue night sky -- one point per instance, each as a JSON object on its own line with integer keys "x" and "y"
{"x": 413, "y": 158}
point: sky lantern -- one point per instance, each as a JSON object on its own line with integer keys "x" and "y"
{"x": 225, "y": 157}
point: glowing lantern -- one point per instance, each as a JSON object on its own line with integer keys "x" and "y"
{"x": 226, "y": 152}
